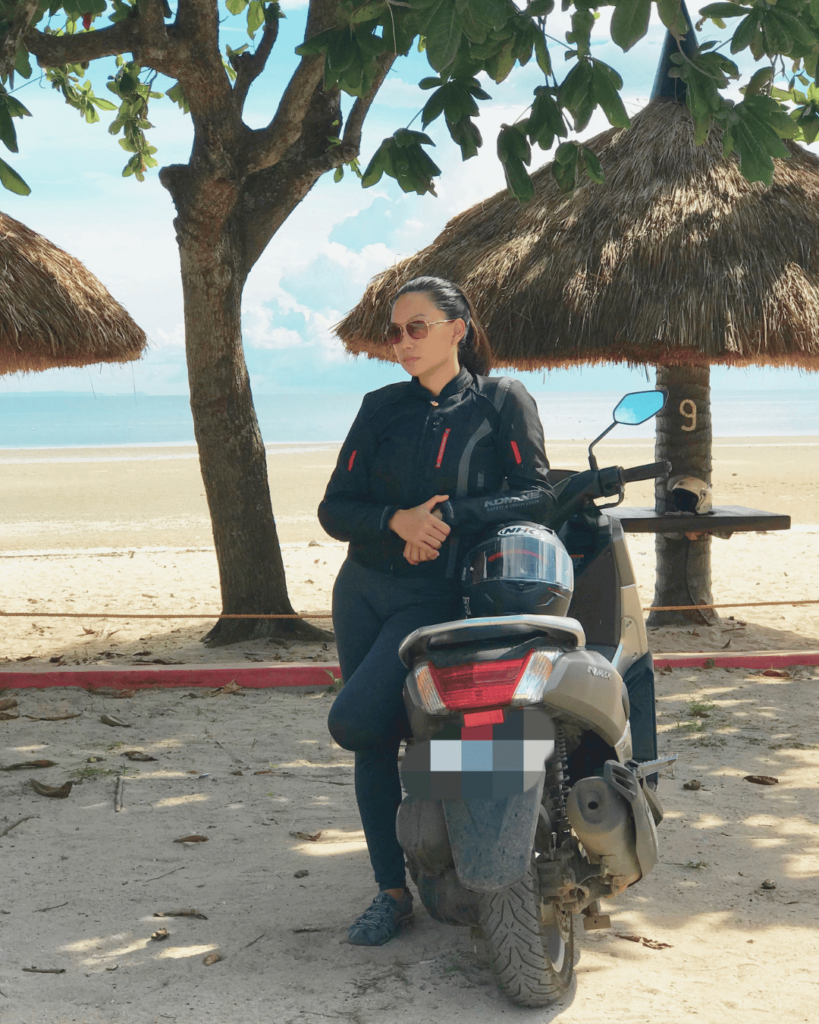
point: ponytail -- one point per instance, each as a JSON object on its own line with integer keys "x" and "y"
{"x": 474, "y": 350}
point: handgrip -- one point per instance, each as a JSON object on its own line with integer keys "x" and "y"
{"x": 649, "y": 472}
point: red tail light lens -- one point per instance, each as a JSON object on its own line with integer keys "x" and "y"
{"x": 479, "y": 684}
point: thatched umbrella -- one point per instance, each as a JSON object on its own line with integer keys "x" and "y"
{"x": 677, "y": 260}
{"x": 54, "y": 312}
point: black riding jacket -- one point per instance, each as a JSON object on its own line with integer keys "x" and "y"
{"x": 480, "y": 441}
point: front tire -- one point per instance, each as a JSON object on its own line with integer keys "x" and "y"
{"x": 530, "y": 943}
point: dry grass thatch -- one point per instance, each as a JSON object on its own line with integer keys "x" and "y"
{"x": 54, "y": 312}
{"x": 675, "y": 260}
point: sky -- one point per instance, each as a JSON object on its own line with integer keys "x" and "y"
{"x": 317, "y": 266}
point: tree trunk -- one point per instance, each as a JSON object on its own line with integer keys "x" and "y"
{"x": 231, "y": 451}
{"x": 683, "y": 572}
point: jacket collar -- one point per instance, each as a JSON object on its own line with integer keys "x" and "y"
{"x": 458, "y": 383}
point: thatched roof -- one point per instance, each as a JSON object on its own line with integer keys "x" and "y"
{"x": 676, "y": 259}
{"x": 54, "y": 312}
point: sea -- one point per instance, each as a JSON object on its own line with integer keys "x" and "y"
{"x": 70, "y": 420}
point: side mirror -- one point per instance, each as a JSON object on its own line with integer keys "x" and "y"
{"x": 639, "y": 406}
{"x": 632, "y": 409}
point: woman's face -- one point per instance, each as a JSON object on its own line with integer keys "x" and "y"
{"x": 422, "y": 357}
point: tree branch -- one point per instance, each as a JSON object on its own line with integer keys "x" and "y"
{"x": 268, "y": 145}
{"x": 18, "y": 27}
{"x": 250, "y": 65}
{"x": 52, "y": 51}
{"x": 355, "y": 122}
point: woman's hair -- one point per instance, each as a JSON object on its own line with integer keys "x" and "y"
{"x": 474, "y": 351}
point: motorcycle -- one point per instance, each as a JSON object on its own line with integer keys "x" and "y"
{"x": 532, "y": 769}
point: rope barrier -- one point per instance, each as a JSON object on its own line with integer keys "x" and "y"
{"x": 329, "y": 615}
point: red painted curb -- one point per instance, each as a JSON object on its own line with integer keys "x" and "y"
{"x": 161, "y": 676}
{"x": 750, "y": 659}
{"x": 317, "y": 676}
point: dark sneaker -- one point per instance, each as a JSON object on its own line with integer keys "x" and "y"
{"x": 380, "y": 921}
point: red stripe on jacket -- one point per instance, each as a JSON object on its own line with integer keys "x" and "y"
{"x": 442, "y": 449}
{"x": 516, "y": 452}
{"x": 352, "y": 460}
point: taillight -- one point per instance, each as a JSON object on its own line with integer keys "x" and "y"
{"x": 478, "y": 684}
{"x": 481, "y": 684}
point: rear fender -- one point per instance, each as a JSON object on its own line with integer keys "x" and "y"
{"x": 492, "y": 840}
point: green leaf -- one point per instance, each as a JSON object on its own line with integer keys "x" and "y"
{"x": 13, "y": 105}
{"x": 11, "y": 180}
{"x": 724, "y": 10}
{"x": 255, "y": 17}
{"x": 442, "y": 30}
{"x": 434, "y": 106}
{"x": 8, "y": 136}
{"x": 629, "y": 23}
{"x": 235, "y": 6}
{"x": 478, "y": 18}
{"x": 177, "y": 94}
{"x": 339, "y": 174}
{"x": 22, "y": 64}
{"x": 605, "y": 93}
{"x": 316, "y": 44}
{"x": 575, "y": 86}
{"x": 466, "y": 135}
{"x": 564, "y": 167}
{"x": 518, "y": 181}
{"x": 760, "y": 81}
{"x": 544, "y": 61}
{"x": 754, "y": 162}
{"x": 745, "y": 32}
{"x": 593, "y": 166}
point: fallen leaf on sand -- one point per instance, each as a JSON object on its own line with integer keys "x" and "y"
{"x": 211, "y": 958}
{"x": 28, "y": 764}
{"x": 61, "y": 792}
{"x": 112, "y": 720}
{"x": 8, "y": 702}
{"x": 693, "y": 784}
{"x": 778, "y": 673}
{"x": 192, "y": 839}
{"x": 160, "y": 934}
{"x": 264, "y": 771}
{"x": 650, "y": 943}
{"x": 222, "y": 691}
{"x": 8, "y": 716}
{"x": 108, "y": 691}
{"x": 306, "y": 835}
{"x": 761, "y": 780}
{"x": 55, "y": 718}
{"x": 137, "y": 755}
{"x": 181, "y": 913}
{"x": 44, "y": 970}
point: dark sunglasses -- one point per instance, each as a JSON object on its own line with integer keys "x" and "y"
{"x": 416, "y": 329}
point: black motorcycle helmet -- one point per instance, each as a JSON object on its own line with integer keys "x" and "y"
{"x": 518, "y": 568}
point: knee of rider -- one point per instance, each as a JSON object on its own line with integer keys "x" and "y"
{"x": 339, "y": 730}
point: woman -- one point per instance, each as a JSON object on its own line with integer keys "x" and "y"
{"x": 419, "y": 477}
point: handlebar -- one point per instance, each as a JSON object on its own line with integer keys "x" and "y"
{"x": 647, "y": 472}
{"x": 583, "y": 488}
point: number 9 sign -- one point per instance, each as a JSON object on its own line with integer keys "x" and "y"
{"x": 688, "y": 410}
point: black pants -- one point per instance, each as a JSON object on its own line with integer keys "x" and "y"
{"x": 372, "y": 614}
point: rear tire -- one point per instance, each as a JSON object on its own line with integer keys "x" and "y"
{"x": 530, "y": 943}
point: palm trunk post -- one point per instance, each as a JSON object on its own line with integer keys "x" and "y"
{"x": 683, "y": 572}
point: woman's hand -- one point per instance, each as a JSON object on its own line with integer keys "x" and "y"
{"x": 423, "y": 530}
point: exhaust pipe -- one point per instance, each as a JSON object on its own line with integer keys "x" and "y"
{"x": 603, "y": 822}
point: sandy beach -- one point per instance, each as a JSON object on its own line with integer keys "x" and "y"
{"x": 126, "y": 530}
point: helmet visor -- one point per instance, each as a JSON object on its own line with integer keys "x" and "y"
{"x": 522, "y": 557}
